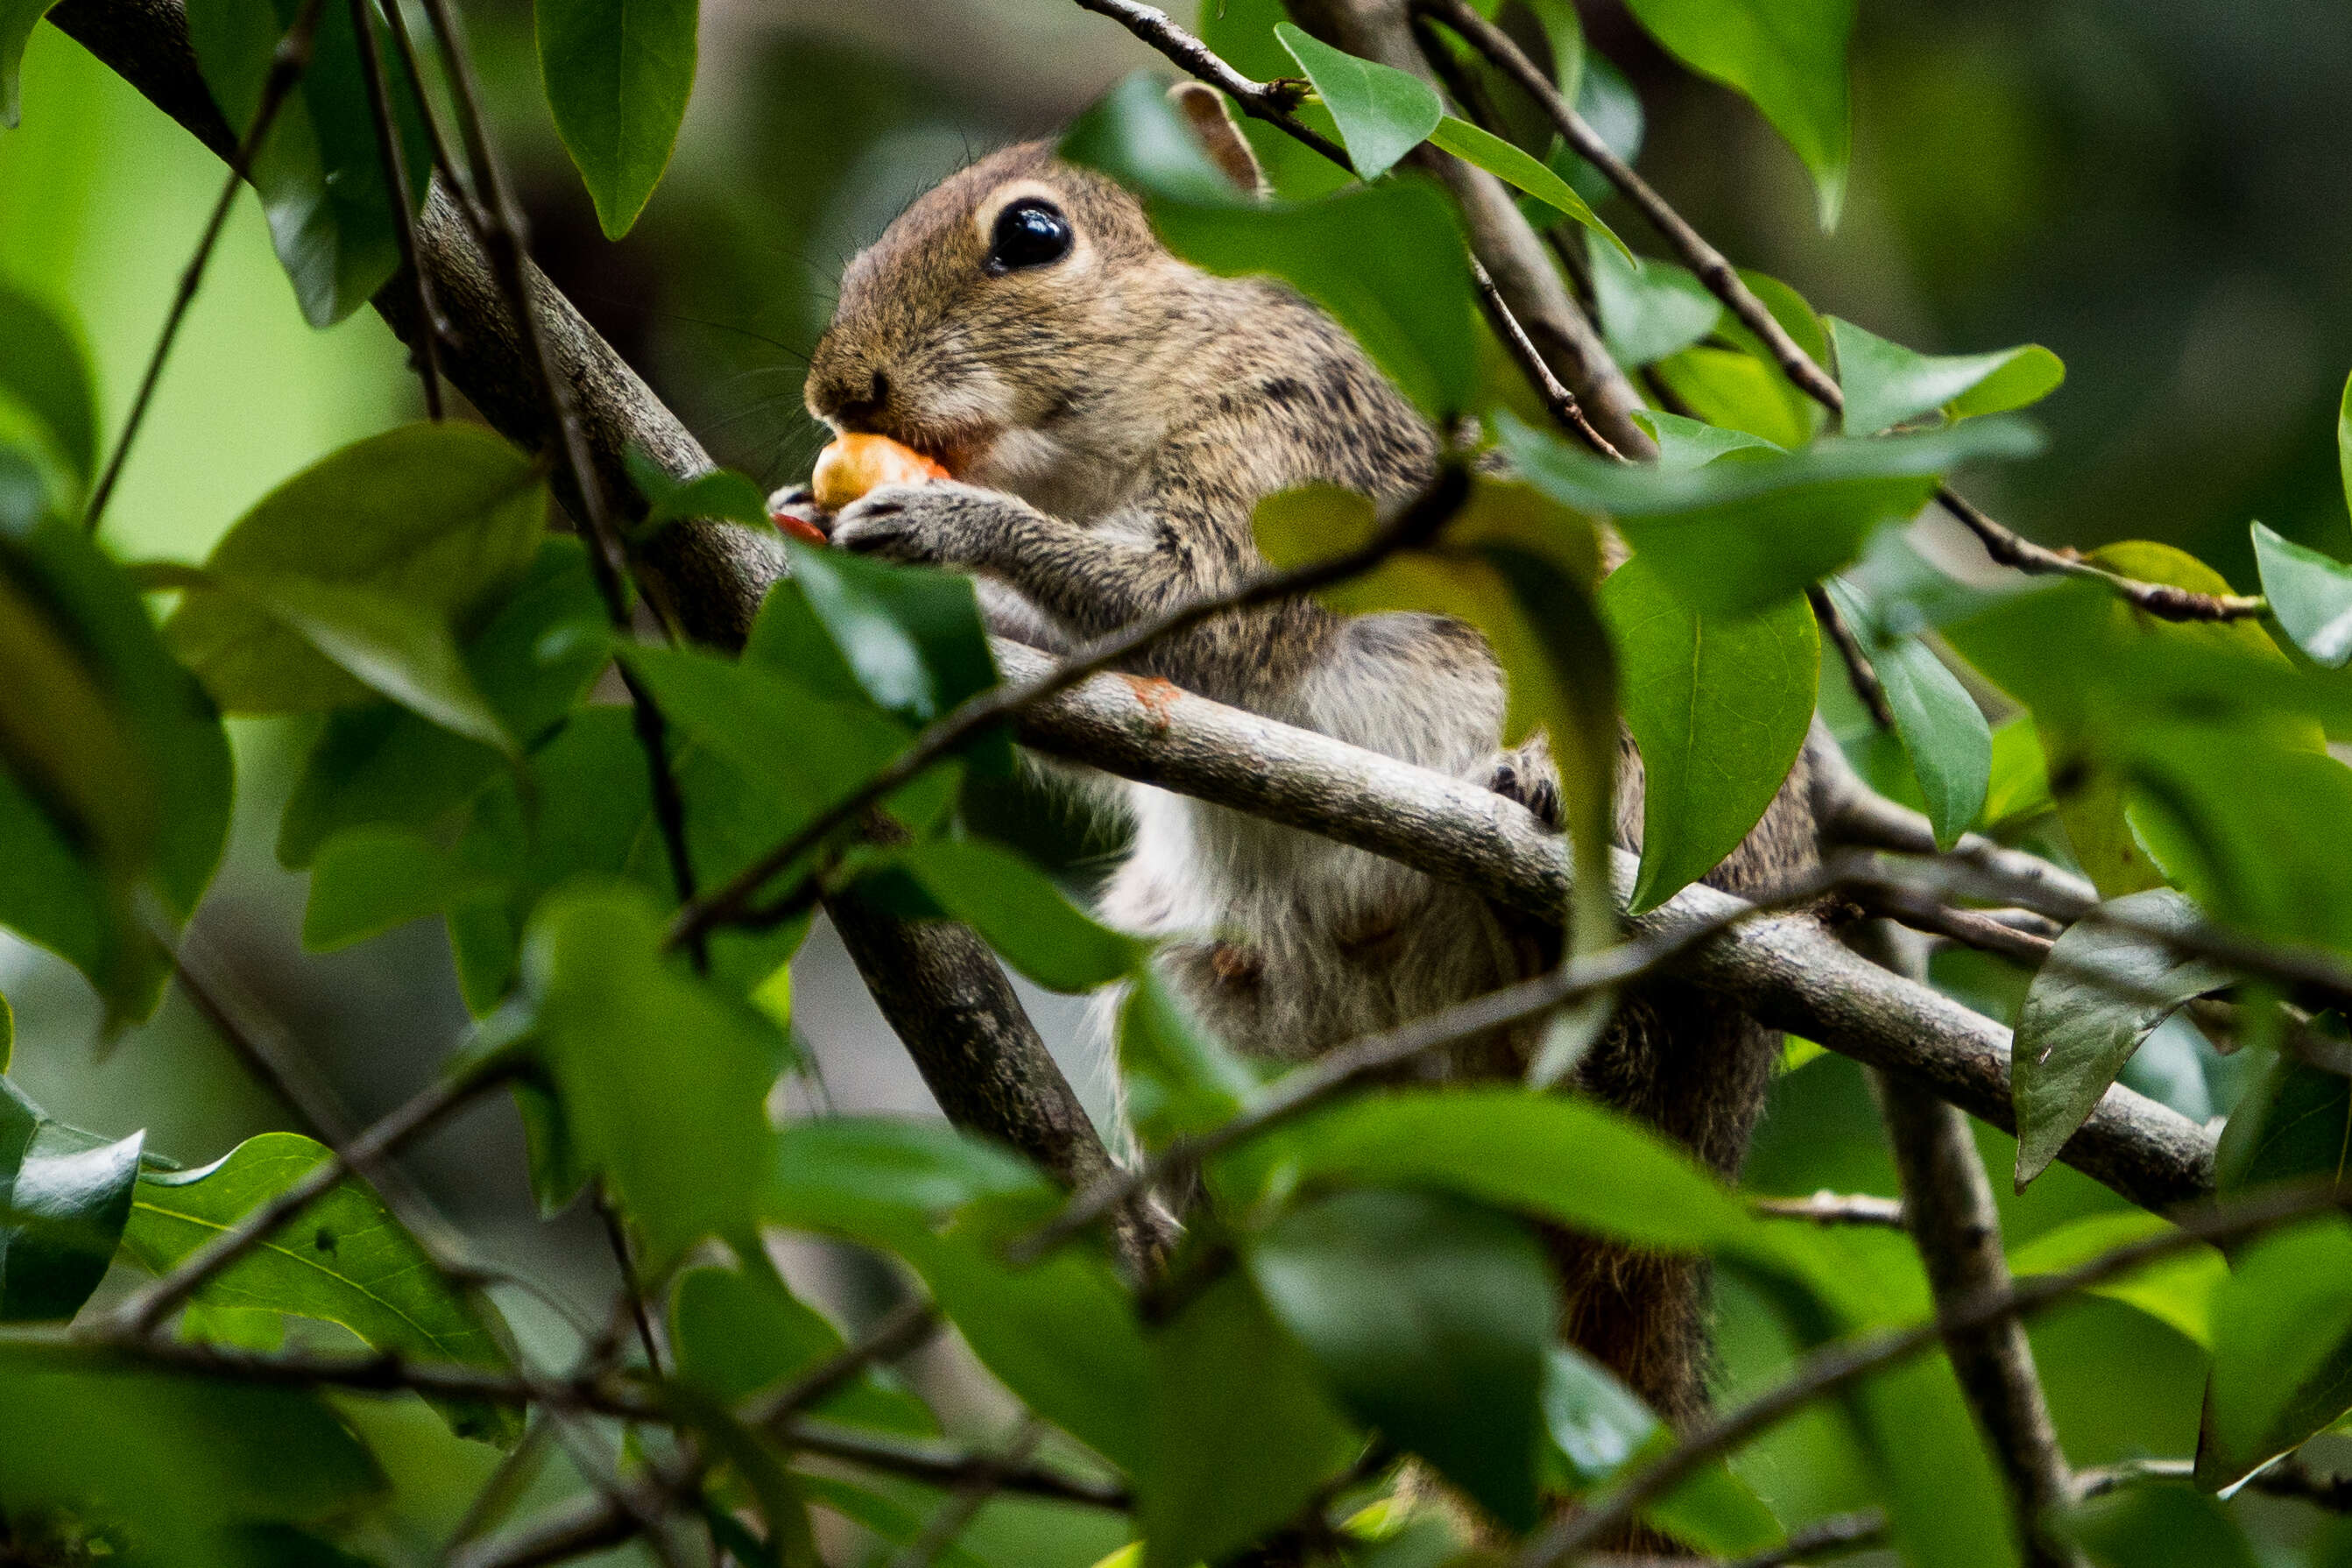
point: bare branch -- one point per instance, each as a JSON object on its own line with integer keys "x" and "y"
{"x": 1826, "y": 1207}
{"x": 1859, "y": 673}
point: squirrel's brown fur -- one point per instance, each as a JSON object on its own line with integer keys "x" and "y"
{"x": 1112, "y": 420}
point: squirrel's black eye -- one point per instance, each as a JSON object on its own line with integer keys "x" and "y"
{"x": 1030, "y": 232}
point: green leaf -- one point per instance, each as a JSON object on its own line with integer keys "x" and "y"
{"x": 2161, "y": 1524}
{"x": 1386, "y": 261}
{"x": 2344, "y": 439}
{"x": 184, "y": 1466}
{"x": 1786, "y": 56}
{"x": 1567, "y": 1162}
{"x": 1022, "y": 915}
{"x": 738, "y": 1331}
{"x": 662, "y": 1079}
{"x": 1428, "y": 1316}
{"x": 617, "y": 75}
{"x": 2098, "y": 995}
{"x": 116, "y": 771}
{"x": 1242, "y": 1430}
{"x": 1178, "y": 1079}
{"x": 371, "y": 880}
{"x": 717, "y": 492}
{"x": 1735, "y": 537}
{"x": 1595, "y": 1425}
{"x": 1943, "y": 732}
{"x": 64, "y": 1197}
{"x": 46, "y": 368}
{"x": 913, "y": 635}
{"x": 1719, "y": 707}
{"x": 318, "y": 171}
{"x": 18, "y": 20}
{"x": 2311, "y": 594}
{"x": 344, "y": 1259}
{"x": 432, "y": 516}
{"x": 2282, "y": 1330}
{"x": 1515, "y": 166}
{"x": 2019, "y": 789}
{"x": 1739, "y": 389}
{"x": 1684, "y": 443}
{"x": 385, "y": 766}
{"x": 1059, "y": 1332}
{"x": 1382, "y": 112}
{"x": 1649, "y": 309}
{"x": 1885, "y": 383}
{"x": 2178, "y": 1291}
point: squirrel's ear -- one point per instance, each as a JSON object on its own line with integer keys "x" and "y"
{"x": 1212, "y": 119}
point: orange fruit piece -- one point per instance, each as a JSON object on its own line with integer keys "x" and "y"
{"x": 854, "y": 465}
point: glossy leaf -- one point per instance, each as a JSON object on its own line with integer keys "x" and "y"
{"x": 2311, "y": 594}
{"x": 1386, "y": 261}
{"x": 1022, "y": 915}
{"x": 1382, "y": 112}
{"x": 1942, "y": 730}
{"x": 716, "y": 492}
{"x": 1787, "y": 55}
{"x": 1719, "y": 707}
{"x": 1648, "y": 309}
{"x": 1733, "y": 538}
{"x": 432, "y": 517}
{"x": 344, "y": 1259}
{"x": 45, "y": 369}
{"x": 1885, "y": 383}
{"x": 1684, "y": 443}
{"x": 662, "y": 1079}
{"x": 118, "y": 774}
{"x": 318, "y": 171}
{"x": 617, "y": 74}
{"x": 1738, "y": 389}
{"x": 1059, "y": 1332}
{"x": 913, "y": 635}
{"x": 1242, "y": 1431}
{"x": 1515, "y": 166}
{"x": 64, "y": 1195}
{"x": 2100, "y": 991}
{"x": 1428, "y": 1316}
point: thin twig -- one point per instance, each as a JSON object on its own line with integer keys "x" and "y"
{"x": 617, "y": 1240}
{"x": 1416, "y": 523}
{"x": 287, "y": 64}
{"x": 1723, "y": 281}
{"x": 2286, "y": 1477}
{"x": 1839, "y": 1532}
{"x": 394, "y": 160}
{"x": 1969, "y": 928}
{"x": 1826, "y": 1207}
{"x": 982, "y": 1480}
{"x": 1837, "y": 1366}
{"x": 1345, "y": 1067}
{"x": 1859, "y": 671}
{"x": 1556, "y": 395}
{"x": 140, "y": 1312}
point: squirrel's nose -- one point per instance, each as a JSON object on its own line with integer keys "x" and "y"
{"x": 856, "y": 411}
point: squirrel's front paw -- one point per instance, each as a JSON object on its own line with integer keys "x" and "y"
{"x": 935, "y": 525}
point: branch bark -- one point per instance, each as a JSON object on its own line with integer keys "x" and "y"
{"x": 935, "y": 982}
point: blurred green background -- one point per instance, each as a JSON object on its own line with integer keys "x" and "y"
{"x": 2156, "y": 189}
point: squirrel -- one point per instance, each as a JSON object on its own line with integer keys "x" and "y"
{"x": 1112, "y": 414}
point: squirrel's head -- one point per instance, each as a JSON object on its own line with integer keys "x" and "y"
{"x": 1009, "y": 324}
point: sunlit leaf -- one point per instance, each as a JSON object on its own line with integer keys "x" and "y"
{"x": 344, "y": 1259}
{"x": 1382, "y": 112}
{"x": 1885, "y": 383}
{"x": 2311, "y": 594}
{"x": 1787, "y": 55}
{"x": 64, "y": 1195}
{"x": 2177, "y": 1290}
{"x": 1720, "y": 706}
{"x": 1517, "y": 167}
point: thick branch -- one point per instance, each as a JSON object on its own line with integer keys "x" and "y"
{"x": 1791, "y": 972}
{"x": 937, "y": 984}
